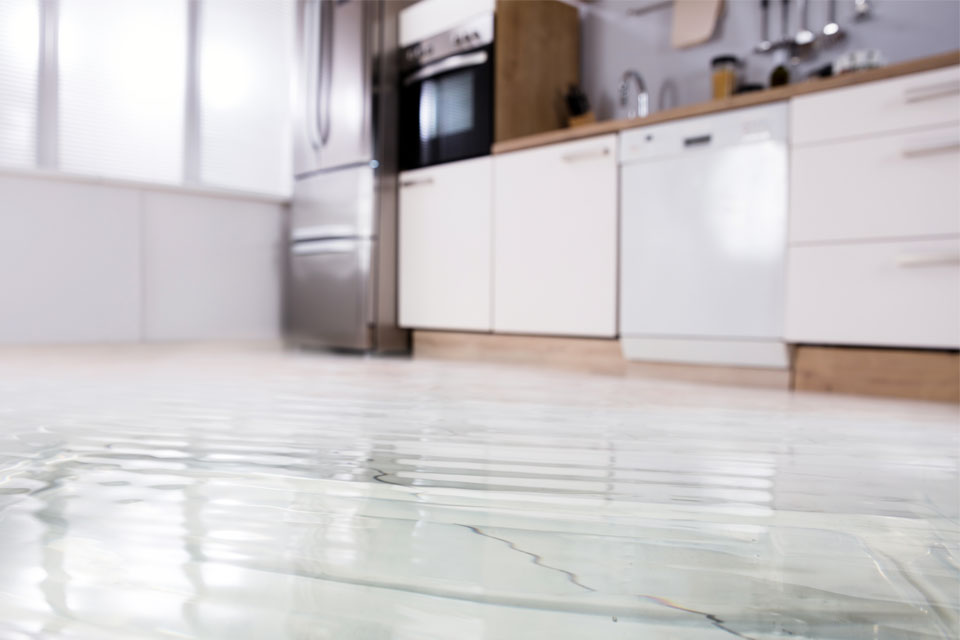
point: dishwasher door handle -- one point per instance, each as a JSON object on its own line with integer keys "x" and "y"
{"x": 697, "y": 141}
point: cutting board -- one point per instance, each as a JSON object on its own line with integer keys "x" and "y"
{"x": 694, "y": 21}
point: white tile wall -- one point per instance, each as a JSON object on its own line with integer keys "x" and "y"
{"x": 211, "y": 268}
{"x": 69, "y": 262}
{"x": 85, "y": 262}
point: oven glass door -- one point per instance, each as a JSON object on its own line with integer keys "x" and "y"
{"x": 446, "y": 110}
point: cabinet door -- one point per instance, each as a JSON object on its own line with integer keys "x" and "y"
{"x": 890, "y": 186}
{"x": 444, "y": 262}
{"x": 917, "y": 100}
{"x": 555, "y": 239}
{"x": 899, "y": 293}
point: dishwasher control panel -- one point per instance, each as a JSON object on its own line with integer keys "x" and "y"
{"x": 743, "y": 126}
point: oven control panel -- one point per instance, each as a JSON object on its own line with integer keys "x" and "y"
{"x": 476, "y": 33}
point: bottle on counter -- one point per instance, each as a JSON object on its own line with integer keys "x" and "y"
{"x": 781, "y": 73}
{"x": 724, "y": 75}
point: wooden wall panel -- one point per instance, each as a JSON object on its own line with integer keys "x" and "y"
{"x": 537, "y": 56}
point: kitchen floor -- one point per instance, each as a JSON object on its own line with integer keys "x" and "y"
{"x": 218, "y": 492}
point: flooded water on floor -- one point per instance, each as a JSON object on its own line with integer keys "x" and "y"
{"x": 185, "y": 493}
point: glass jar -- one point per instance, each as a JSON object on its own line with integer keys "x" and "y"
{"x": 724, "y": 71}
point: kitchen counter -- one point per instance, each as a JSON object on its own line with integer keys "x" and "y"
{"x": 735, "y": 102}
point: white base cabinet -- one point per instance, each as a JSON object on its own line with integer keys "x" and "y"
{"x": 886, "y": 186}
{"x": 895, "y": 294}
{"x": 555, "y": 239}
{"x": 874, "y": 255}
{"x": 444, "y": 246}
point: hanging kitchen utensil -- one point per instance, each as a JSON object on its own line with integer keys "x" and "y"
{"x": 764, "y": 45}
{"x": 804, "y": 40}
{"x": 832, "y": 31}
{"x": 694, "y": 21}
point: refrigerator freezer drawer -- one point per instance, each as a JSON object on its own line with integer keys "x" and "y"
{"x": 335, "y": 204}
{"x": 329, "y": 296}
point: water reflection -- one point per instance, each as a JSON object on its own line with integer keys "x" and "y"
{"x": 342, "y": 498}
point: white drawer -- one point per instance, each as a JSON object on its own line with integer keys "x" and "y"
{"x": 740, "y": 126}
{"x": 890, "y": 186}
{"x": 897, "y": 294}
{"x": 917, "y": 100}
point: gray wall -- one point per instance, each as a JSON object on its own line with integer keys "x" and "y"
{"x": 613, "y": 42}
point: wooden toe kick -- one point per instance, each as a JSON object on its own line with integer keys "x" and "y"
{"x": 901, "y": 373}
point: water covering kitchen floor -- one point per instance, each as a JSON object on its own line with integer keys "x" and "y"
{"x": 160, "y": 492}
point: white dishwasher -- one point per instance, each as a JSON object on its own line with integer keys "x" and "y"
{"x": 703, "y": 239}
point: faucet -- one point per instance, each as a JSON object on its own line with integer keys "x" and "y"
{"x": 643, "y": 98}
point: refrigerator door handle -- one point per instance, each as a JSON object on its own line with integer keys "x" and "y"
{"x": 311, "y": 53}
{"x": 323, "y": 232}
{"x": 315, "y": 247}
{"x": 327, "y": 10}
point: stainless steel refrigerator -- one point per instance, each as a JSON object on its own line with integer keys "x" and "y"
{"x": 340, "y": 290}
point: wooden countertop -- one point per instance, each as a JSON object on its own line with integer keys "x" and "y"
{"x": 743, "y": 100}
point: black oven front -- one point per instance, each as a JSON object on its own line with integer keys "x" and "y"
{"x": 446, "y": 96}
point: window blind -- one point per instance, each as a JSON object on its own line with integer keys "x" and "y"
{"x": 19, "y": 59}
{"x": 122, "y": 81}
{"x": 245, "y": 63}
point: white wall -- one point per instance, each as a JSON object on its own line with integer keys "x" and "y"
{"x": 613, "y": 42}
{"x": 88, "y": 262}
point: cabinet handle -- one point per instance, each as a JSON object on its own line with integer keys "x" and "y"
{"x": 417, "y": 182}
{"x": 932, "y": 92}
{"x": 928, "y": 259}
{"x": 586, "y": 155}
{"x": 943, "y": 147}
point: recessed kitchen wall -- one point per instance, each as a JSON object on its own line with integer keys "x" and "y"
{"x": 612, "y": 42}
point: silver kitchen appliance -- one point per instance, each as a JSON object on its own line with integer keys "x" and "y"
{"x": 340, "y": 289}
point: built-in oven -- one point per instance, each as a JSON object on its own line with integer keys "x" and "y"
{"x": 446, "y": 95}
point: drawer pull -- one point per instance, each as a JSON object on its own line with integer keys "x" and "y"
{"x": 417, "y": 182}
{"x": 932, "y": 92}
{"x": 946, "y": 258}
{"x": 586, "y": 155}
{"x": 943, "y": 147}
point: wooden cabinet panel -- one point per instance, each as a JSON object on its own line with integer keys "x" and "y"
{"x": 537, "y": 57}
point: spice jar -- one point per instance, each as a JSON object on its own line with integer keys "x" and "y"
{"x": 724, "y": 74}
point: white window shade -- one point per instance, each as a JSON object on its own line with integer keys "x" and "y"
{"x": 19, "y": 55}
{"x": 244, "y": 91}
{"x": 122, "y": 80}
